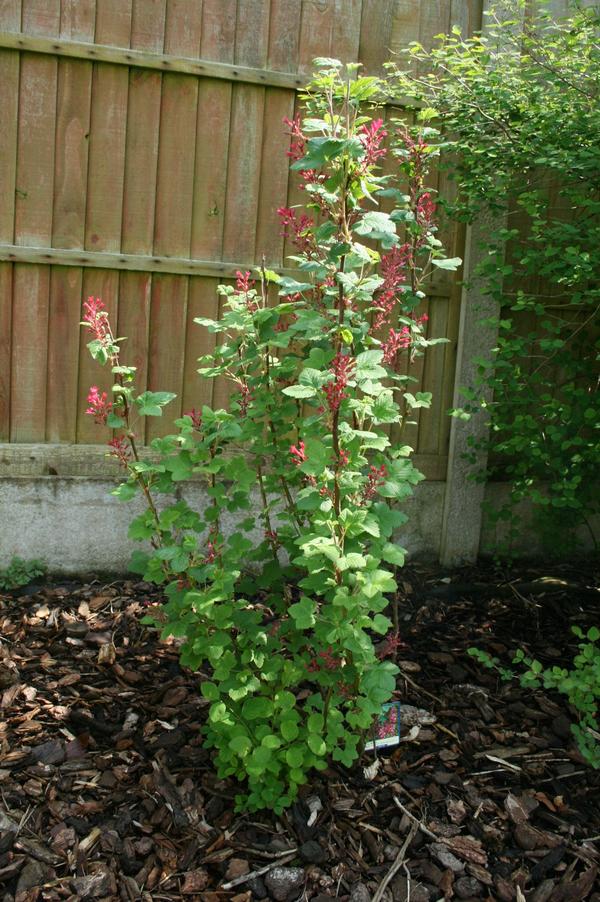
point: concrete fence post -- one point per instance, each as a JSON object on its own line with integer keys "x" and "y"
{"x": 463, "y": 515}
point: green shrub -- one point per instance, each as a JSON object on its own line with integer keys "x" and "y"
{"x": 581, "y": 685}
{"x": 20, "y": 573}
{"x": 318, "y": 373}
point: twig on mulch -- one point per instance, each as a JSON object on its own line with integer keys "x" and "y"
{"x": 419, "y": 825}
{"x": 398, "y": 862}
{"x": 243, "y": 878}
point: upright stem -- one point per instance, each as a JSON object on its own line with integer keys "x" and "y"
{"x": 265, "y": 508}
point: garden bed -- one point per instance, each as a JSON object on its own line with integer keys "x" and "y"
{"x": 107, "y": 792}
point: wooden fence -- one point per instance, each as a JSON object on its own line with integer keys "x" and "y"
{"x": 142, "y": 159}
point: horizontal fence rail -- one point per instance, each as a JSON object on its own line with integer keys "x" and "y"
{"x": 164, "y": 62}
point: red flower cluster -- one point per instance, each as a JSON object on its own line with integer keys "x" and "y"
{"x": 99, "y": 405}
{"x": 246, "y": 398}
{"x": 343, "y": 458}
{"x": 425, "y": 209}
{"x": 395, "y": 342}
{"x": 211, "y": 552}
{"x": 298, "y": 453}
{"x": 120, "y": 450}
{"x": 390, "y": 645}
{"x": 393, "y": 269}
{"x": 324, "y": 660}
{"x": 399, "y": 341}
{"x": 375, "y": 478}
{"x": 298, "y": 150}
{"x": 196, "y": 418}
{"x": 342, "y": 366}
{"x": 243, "y": 282}
{"x": 243, "y": 285}
{"x": 371, "y": 136}
{"x": 298, "y": 144}
{"x": 95, "y": 317}
{"x": 296, "y": 229}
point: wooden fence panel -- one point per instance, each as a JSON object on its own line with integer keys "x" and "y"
{"x": 10, "y": 20}
{"x": 142, "y": 160}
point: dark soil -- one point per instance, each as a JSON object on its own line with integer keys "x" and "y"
{"x": 107, "y": 793}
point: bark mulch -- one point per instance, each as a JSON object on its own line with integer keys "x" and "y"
{"x": 107, "y": 793}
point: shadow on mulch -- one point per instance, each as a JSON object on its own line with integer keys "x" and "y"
{"x": 107, "y": 793}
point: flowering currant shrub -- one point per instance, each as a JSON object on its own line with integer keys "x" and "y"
{"x": 320, "y": 370}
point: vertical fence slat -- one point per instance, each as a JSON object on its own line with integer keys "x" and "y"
{"x": 245, "y": 138}
{"x": 77, "y": 19}
{"x": 104, "y": 191}
{"x": 282, "y": 54}
{"x": 10, "y": 15}
{"x": 72, "y": 136}
{"x": 139, "y": 197}
{"x": 9, "y": 78}
{"x": 166, "y": 342}
{"x": 214, "y": 114}
{"x": 203, "y": 301}
{"x": 29, "y": 348}
{"x": 6, "y": 295}
{"x": 284, "y": 35}
{"x": 345, "y": 37}
{"x": 10, "y": 19}
{"x": 376, "y": 33}
{"x": 210, "y": 185}
{"x": 63, "y": 353}
{"x": 77, "y": 22}
{"x": 173, "y": 221}
{"x": 135, "y": 293}
{"x": 33, "y": 225}
{"x": 405, "y": 28}
{"x": 148, "y": 25}
{"x": 41, "y": 17}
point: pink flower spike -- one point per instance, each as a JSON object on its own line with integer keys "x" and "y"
{"x": 196, "y": 418}
{"x": 120, "y": 450}
{"x": 371, "y": 135}
{"x": 95, "y": 316}
{"x": 342, "y": 367}
{"x": 298, "y": 453}
{"x": 99, "y": 406}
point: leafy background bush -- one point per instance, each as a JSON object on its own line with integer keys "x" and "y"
{"x": 521, "y": 118}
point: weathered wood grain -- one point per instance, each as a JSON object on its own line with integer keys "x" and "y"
{"x": 63, "y": 353}
{"x": 6, "y": 295}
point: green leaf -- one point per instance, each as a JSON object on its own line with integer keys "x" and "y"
{"x": 303, "y": 613}
{"x": 257, "y": 708}
{"x": 316, "y": 745}
{"x": 150, "y": 403}
{"x": 299, "y": 391}
{"x": 209, "y": 691}
{"x": 449, "y": 263}
{"x": 393, "y": 554}
{"x": 377, "y": 226}
{"x": 241, "y": 745}
{"x": 294, "y": 756}
{"x": 115, "y": 422}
